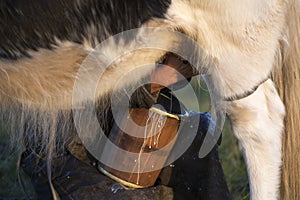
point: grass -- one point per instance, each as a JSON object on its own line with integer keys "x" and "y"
{"x": 231, "y": 158}
{"x": 233, "y": 165}
{"x": 9, "y": 184}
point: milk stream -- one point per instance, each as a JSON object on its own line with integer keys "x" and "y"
{"x": 152, "y": 132}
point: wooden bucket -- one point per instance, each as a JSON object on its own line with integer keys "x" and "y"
{"x": 161, "y": 127}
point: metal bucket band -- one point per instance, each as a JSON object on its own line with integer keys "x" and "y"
{"x": 121, "y": 181}
{"x": 161, "y": 112}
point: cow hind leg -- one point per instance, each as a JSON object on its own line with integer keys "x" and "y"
{"x": 257, "y": 123}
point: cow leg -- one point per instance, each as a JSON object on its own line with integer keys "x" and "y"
{"x": 257, "y": 123}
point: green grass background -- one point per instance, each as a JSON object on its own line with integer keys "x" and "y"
{"x": 230, "y": 155}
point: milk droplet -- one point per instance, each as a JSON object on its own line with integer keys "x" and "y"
{"x": 116, "y": 187}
